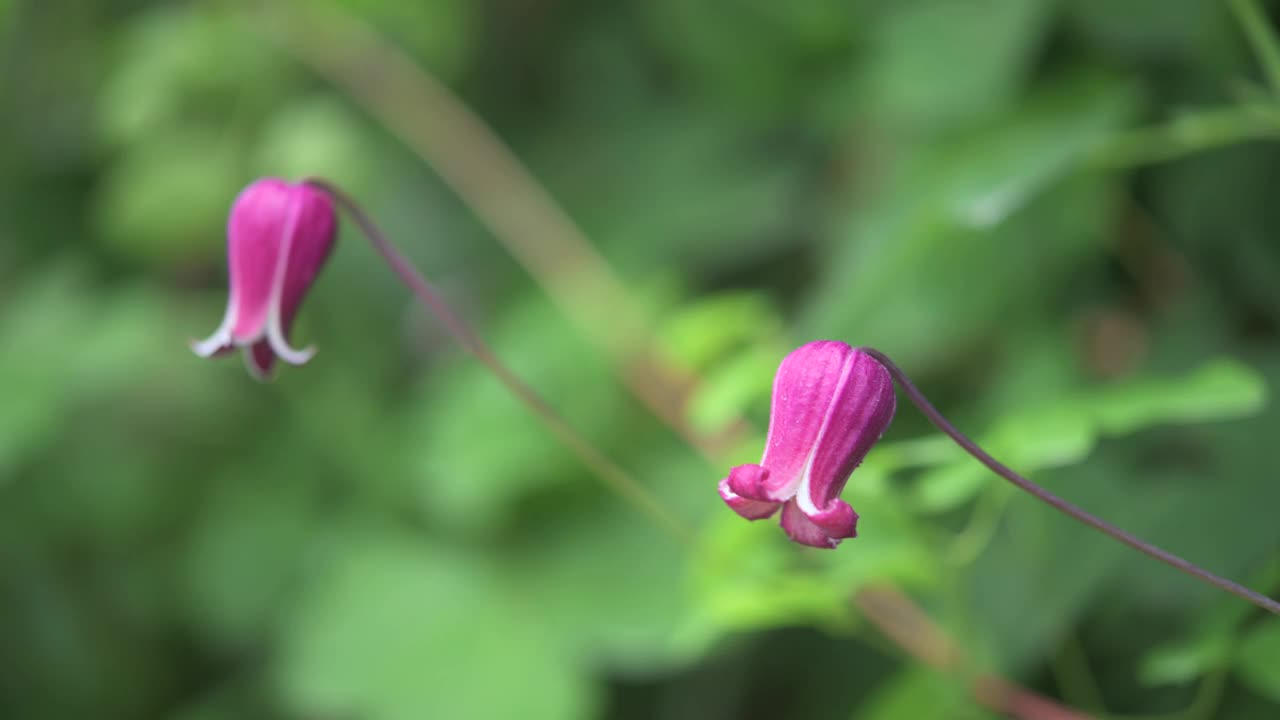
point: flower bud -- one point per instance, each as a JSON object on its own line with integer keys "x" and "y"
{"x": 831, "y": 403}
{"x": 278, "y": 237}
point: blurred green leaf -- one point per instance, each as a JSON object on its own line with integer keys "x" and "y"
{"x": 168, "y": 199}
{"x": 174, "y": 67}
{"x": 317, "y": 137}
{"x": 701, "y": 332}
{"x": 612, "y": 588}
{"x": 1208, "y": 645}
{"x": 719, "y": 194}
{"x": 245, "y": 548}
{"x": 104, "y": 346}
{"x": 438, "y": 32}
{"x": 920, "y": 694}
{"x": 749, "y": 575}
{"x": 1258, "y": 659}
{"x": 934, "y": 63}
{"x": 477, "y": 450}
{"x": 732, "y": 388}
{"x": 1064, "y": 430}
{"x": 1146, "y": 29}
{"x": 1002, "y": 204}
{"x": 753, "y": 53}
{"x": 394, "y": 628}
{"x": 1221, "y": 389}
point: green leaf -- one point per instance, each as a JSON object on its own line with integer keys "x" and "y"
{"x": 245, "y": 548}
{"x": 1258, "y": 659}
{"x": 1222, "y": 389}
{"x": 749, "y": 575}
{"x": 704, "y": 330}
{"x": 438, "y": 32}
{"x": 1064, "y": 430}
{"x": 173, "y": 68}
{"x": 393, "y": 629}
{"x": 942, "y": 62}
{"x": 477, "y": 451}
{"x": 718, "y": 199}
{"x": 731, "y": 389}
{"x": 905, "y": 273}
{"x": 920, "y": 694}
{"x": 167, "y": 199}
{"x": 1209, "y": 644}
{"x": 612, "y": 588}
{"x": 317, "y": 137}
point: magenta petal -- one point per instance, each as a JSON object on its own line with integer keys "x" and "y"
{"x": 831, "y": 404}
{"x": 859, "y": 413}
{"x": 279, "y": 235}
{"x": 257, "y": 233}
{"x": 803, "y": 530}
{"x": 260, "y": 359}
{"x": 751, "y": 481}
{"x": 744, "y": 506}
{"x": 803, "y": 390}
{"x": 838, "y": 520}
{"x": 310, "y": 242}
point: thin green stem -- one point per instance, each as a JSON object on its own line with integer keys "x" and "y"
{"x": 1187, "y": 134}
{"x": 1204, "y": 704}
{"x": 609, "y": 472}
{"x": 454, "y": 141}
{"x": 1062, "y": 506}
{"x": 1262, "y": 38}
{"x": 1070, "y": 668}
{"x": 969, "y": 543}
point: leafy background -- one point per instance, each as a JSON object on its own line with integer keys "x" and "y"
{"x": 1057, "y": 214}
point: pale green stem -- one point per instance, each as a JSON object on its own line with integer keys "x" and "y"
{"x": 1262, "y": 38}
{"x": 605, "y": 469}
{"x": 1188, "y": 134}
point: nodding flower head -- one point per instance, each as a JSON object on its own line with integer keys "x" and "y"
{"x": 831, "y": 403}
{"x": 278, "y": 237}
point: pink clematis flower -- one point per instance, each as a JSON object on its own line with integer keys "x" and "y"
{"x": 831, "y": 403}
{"x": 278, "y": 237}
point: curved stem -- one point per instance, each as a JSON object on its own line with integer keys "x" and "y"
{"x": 456, "y": 143}
{"x": 614, "y": 476}
{"x": 1058, "y": 503}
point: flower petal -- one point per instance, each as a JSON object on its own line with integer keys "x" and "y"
{"x": 860, "y": 412}
{"x": 260, "y": 360}
{"x": 220, "y": 341}
{"x": 256, "y": 232}
{"x": 309, "y": 239}
{"x": 803, "y": 391}
{"x": 740, "y": 492}
{"x": 835, "y": 527}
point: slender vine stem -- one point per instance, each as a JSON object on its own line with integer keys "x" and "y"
{"x": 455, "y": 142}
{"x": 609, "y": 472}
{"x": 1058, "y": 503}
{"x": 1257, "y": 28}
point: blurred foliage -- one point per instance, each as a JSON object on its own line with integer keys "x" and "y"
{"x": 1056, "y": 214}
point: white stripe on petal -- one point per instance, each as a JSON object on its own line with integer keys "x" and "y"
{"x": 280, "y": 346}
{"x": 275, "y": 333}
{"x": 221, "y": 338}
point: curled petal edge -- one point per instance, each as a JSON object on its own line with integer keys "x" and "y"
{"x": 748, "y": 508}
{"x": 824, "y": 529}
{"x": 757, "y": 483}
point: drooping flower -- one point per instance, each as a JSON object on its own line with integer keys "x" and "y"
{"x": 278, "y": 237}
{"x": 831, "y": 403}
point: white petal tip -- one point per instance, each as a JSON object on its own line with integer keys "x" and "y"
{"x": 210, "y": 346}
{"x": 296, "y": 357}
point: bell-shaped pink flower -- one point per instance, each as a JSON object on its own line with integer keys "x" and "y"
{"x": 831, "y": 403}
{"x": 278, "y": 237}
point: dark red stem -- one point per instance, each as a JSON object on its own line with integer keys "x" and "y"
{"x": 1058, "y": 503}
